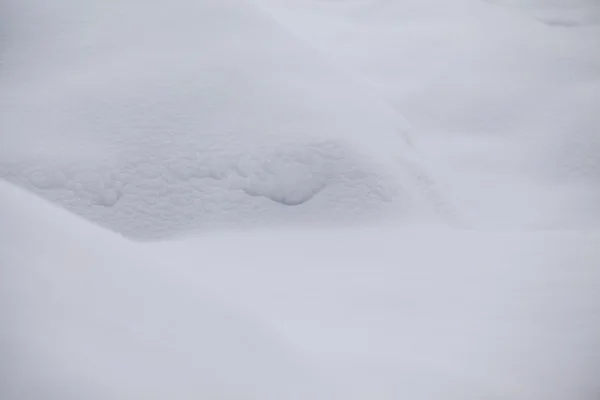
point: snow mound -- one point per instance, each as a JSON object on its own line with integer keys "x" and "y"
{"x": 86, "y": 314}
{"x": 161, "y": 122}
{"x": 498, "y": 100}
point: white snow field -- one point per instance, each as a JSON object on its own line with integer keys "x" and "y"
{"x": 285, "y": 199}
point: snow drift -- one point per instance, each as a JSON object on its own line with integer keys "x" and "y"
{"x": 503, "y": 106}
{"x": 423, "y": 314}
{"x": 433, "y": 314}
{"x": 86, "y": 314}
{"x": 159, "y": 119}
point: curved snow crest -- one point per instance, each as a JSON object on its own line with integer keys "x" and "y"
{"x": 169, "y": 121}
{"x": 92, "y": 317}
{"x": 150, "y": 198}
{"x": 466, "y": 72}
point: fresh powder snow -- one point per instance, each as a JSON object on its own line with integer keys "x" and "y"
{"x": 285, "y": 199}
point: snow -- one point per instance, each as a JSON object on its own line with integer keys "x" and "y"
{"x": 372, "y": 312}
{"x": 420, "y": 313}
{"x": 91, "y": 315}
{"x": 177, "y": 123}
{"x": 559, "y": 13}
{"x": 483, "y": 86}
{"x": 360, "y": 313}
{"x": 268, "y": 199}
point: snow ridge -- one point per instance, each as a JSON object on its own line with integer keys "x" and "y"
{"x": 158, "y": 140}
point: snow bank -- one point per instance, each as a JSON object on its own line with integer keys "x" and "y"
{"x": 158, "y": 119}
{"x": 85, "y": 314}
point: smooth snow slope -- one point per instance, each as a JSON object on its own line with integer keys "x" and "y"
{"x": 168, "y": 117}
{"x": 87, "y": 315}
{"x": 420, "y": 314}
{"x": 504, "y": 106}
{"x": 378, "y": 313}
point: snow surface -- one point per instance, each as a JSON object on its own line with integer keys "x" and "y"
{"x": 391, "y": 313}
{"x": 559, "y": 13}
{"x": 87, "y": 314}
{"x": 302, "y": 174}
{"x": 294, "y": 314}
{"x": 169, "y": 121}
{"x": 504, "y": 106}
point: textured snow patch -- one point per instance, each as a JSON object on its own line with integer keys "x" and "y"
{"x": 165, "y": 122}
{"x": 156, "y": 197}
